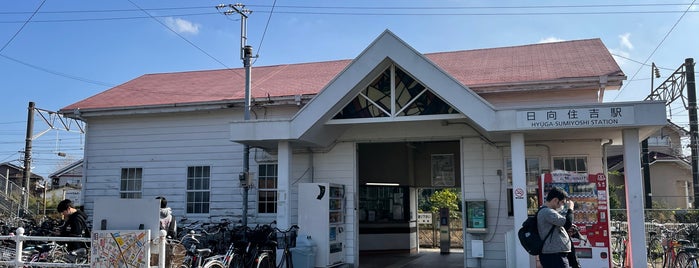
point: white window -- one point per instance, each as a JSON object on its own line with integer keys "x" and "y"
{"x": 267, "y": 188}
{"x": 577, "y": 164}
{"x": 131, "y": 179}
{"x": 533, "y": 175}
{"x": 198, "y": 179}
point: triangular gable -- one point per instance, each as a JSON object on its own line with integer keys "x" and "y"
{"x": 384, "y": 51}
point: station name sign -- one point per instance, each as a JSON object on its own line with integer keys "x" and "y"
{"x": 579, "y": 117}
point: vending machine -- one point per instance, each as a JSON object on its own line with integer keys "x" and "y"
{"x": 590, "y": 195}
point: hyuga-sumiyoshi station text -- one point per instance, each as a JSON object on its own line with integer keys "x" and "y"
{"x": 369, "y": 134}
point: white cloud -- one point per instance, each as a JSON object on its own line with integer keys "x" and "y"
{"x": 182, "y": 26}
{"x": 550, "y": 39}
{"x": 625, "y": 40}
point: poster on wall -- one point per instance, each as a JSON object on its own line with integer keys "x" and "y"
{"x": 112, "y": 248}
{"x": 443, "y": 170}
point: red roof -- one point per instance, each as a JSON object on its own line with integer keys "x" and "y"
{"x": 473, "y": 68}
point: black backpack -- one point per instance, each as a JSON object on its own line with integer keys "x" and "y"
{"x": 529, "y": 235}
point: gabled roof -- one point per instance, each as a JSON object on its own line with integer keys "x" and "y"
{"x": 482, "y": 70}
{"x": 18, "y": 169}
{"x": 66, "y": 169}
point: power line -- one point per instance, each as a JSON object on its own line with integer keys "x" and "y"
{"x": 178, "y": 34}
{"x": 20, "y": 28}
{"x": 362, "y": 8}
{"x": 265, "y": 31}
{"x": 656, "y": 48}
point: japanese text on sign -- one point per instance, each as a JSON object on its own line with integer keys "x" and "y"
{"x": 575, "y": 117}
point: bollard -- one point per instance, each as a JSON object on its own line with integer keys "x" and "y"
{"x": 18, "y": 246}
{"x": 161, "y": 248}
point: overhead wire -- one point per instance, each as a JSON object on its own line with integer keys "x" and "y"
{"x": 22, "y": 27}
{"x": 178, "y": 34}
{"x": 269, "y": 18}
{"x": 656, "y": 48}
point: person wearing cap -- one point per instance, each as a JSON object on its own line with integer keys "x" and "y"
{"x": 557, "y": 246}
{"x": 75, "y": 223}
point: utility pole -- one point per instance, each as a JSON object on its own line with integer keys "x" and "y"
{"x": 693, "y": 129}
{"x": 671, "y": 90}
{"x": 246, "y": 56}
{"x": 645, "y": 161}
{"x": 27, "y": 158}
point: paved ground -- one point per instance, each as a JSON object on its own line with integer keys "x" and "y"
{"x": 426, "y": 258}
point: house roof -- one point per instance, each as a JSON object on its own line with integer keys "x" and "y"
{"x": 481, "y": 70}
{"x": 18, "y": 170}
{"x": 66, "y": 169}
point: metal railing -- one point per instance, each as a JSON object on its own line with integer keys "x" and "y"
{"x": 19, "y": 239}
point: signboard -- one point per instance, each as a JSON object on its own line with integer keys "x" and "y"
{"x": 578, "y": 117}
{"x": 74, "y": 195}
{"x": 424, "y": 218}
{"x": 120, "y": 249}
{"x": 443, "y": 170}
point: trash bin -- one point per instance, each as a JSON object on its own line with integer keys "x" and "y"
{"x": 304, "y": 254}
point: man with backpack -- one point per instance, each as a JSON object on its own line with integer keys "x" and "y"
{"x": 557, "y": 245}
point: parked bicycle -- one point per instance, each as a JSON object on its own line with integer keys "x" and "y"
{"x": 195, "y": 256}
{"x": 618, "y": 244}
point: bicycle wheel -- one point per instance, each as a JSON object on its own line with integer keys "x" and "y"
{"x": 684, "y": 260}
{"x": 213, "y": 264}
{"x": 237, "y": 261}
{"x": 617, "y": 244}
{"x": 656, "y": 253}
{"x": 264, "y": 261}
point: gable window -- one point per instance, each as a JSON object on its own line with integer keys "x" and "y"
{"x": 131, "y": 179}
{"x": 198, "y": 179}
{"x": 394, "y": 93}
{"x": 267, "y": 188}
{"x": 577, "y": 164}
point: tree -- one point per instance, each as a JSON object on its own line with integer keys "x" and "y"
{"x": 446, "y": 198}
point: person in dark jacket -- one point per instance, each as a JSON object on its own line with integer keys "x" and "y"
{"x": 75, "y": 223}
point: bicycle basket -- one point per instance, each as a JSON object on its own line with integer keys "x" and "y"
{"x": 175, "y": 253}
{"x": 286, "y": 238}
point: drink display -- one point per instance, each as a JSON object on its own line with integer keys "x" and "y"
{"x": 591, "y": 214}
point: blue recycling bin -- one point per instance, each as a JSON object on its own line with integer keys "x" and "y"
{"x": 304, "y": 254}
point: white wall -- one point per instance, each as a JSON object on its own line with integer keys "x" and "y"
{"x": 164, "y": 146}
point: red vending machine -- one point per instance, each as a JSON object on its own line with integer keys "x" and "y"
{"x": 590, "y": 194}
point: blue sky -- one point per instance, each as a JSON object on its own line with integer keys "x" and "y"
{"x": 71, "y": 50}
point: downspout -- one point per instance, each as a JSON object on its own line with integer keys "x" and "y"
{"x": 602, "y": 85}
{"x": 605, "y": 169}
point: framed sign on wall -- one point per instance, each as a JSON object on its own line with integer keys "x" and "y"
{"x": 443, "y": 170}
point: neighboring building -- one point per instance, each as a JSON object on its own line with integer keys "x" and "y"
{"x": 671, "y": 183}
{"x": 70, "y": 175}
{"x": 67, "y": 182}
{"x": 489, "y": 121}
{"x": 15, "y": 174}
{"x": 11, "y": 177}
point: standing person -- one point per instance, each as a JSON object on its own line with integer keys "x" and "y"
{"x": 75, "y": 223}
{"x": 557, "y": 246}
{"x": 167, "y": 220}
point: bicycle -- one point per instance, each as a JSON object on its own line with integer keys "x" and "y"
{"x": 618, "y": 245}
{"x": 655, "y": 251}
{"x": 678, "y": 253}
{"x": 195, "y": 256}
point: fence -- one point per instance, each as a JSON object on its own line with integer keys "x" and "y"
{"x": 12, "y": 257}
{"x": 429, "y": 233}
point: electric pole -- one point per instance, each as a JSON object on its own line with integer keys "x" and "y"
{"x": 246, "y": 56}
{"x": 671, "y": 90}
{"x": 27, "y": 159}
